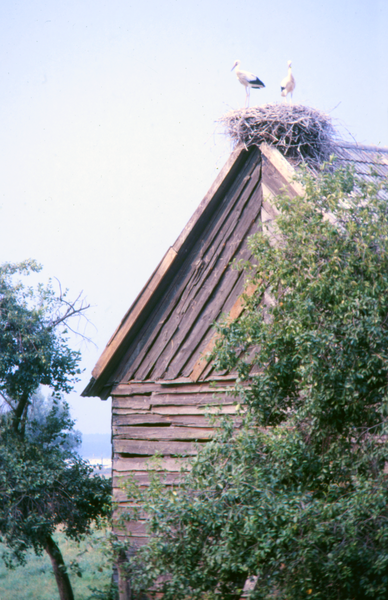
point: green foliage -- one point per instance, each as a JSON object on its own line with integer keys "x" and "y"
{"x": 33, "y": 349}
{"x": 296, "y": 497}
{"x": 44, "y": 484}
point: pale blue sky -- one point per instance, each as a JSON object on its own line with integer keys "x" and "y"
{"x": 108, "y": 133}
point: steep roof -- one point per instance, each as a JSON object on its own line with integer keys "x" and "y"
{"x": 169, "y": 326}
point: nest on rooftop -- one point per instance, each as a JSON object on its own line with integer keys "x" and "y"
{"x": 300, "y": 133}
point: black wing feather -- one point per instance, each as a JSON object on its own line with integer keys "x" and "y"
{"x": 256, "y": 83}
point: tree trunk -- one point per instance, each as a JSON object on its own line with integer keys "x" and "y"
{"x": 18, "y": 414}
{"x": 124, "y": 588}
{"x": 60, "y": 572}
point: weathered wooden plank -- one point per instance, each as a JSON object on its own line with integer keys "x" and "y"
{"x": 228, "y": 409}
{"x": 156, "y": 419}
{"x": 161, "y": 433}
{"x": 143, "y": 463}
{"x": 132, "y": 402}
{"x": 275, "y": 164}
{"x": 141, "y": 369}
{"x": 212, "y": 397}
{"x": 121, "y": 506}
{"x": 219, "y": 379}
{"x": 177, "y": 386}
{"x": 128, "y": 411}
{"x": 175, "y": 400}
{"x": 144, "y": 479}
{"x": 134, "y": 388}
{"x": 135, "y": 526}
{"x": 120, "y": 496}
{"x": 269, "y": 212}
{"x": 272, "y": 181}
{"x": 134, "y": 398}
{"x": 209, "y": 373}
{"x": 229, "y": 295}
{"x": 131, "y": 508}
{"x": 137, "y": 542}
{"x": 150, "y": 448}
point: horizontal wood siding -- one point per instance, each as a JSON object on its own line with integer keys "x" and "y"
{"x": 173, "y": 421}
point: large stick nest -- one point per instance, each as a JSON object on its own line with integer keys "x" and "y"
{"x": 300, "y": 133}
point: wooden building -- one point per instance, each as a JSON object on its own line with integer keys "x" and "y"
{"x": 155, "y": 365}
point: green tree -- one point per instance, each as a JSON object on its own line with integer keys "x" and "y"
{"x": 297, "y": 497}
{"x": 43, "y": 481}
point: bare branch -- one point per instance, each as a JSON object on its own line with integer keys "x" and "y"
{"x": 74, "y": 308}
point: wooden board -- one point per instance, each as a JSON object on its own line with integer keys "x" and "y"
{"x": 128, "y": 411}
{"x": 212, "y": 398}
{"x": 150, "y": 448}
{"x": 143, "y": 478}
{"x": 158, "y": 399}
{"x": 135, "y": 402}
{"x": 162, "y": 433}
{"x": 171, "y": 409}
{"x": 179, "y": 386}
{"x": 155, "y": 419}
{"x": 141, "y": 463}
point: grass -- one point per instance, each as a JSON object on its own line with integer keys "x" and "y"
{"x": 36, "y": 581}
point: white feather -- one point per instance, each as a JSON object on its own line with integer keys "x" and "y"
{"x": 287, "y": 86}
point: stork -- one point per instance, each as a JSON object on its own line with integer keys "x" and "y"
{"x": 287, "y": 86}
{"x": 248, "y": 80}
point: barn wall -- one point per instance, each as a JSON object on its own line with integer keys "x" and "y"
{"x": 150, "y": 417}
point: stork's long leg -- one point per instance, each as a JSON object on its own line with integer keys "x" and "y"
{"x": 247, "y": 96}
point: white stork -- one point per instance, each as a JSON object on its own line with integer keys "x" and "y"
{"x": 248, "y": 80}
{"x": 287, "y": 86}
